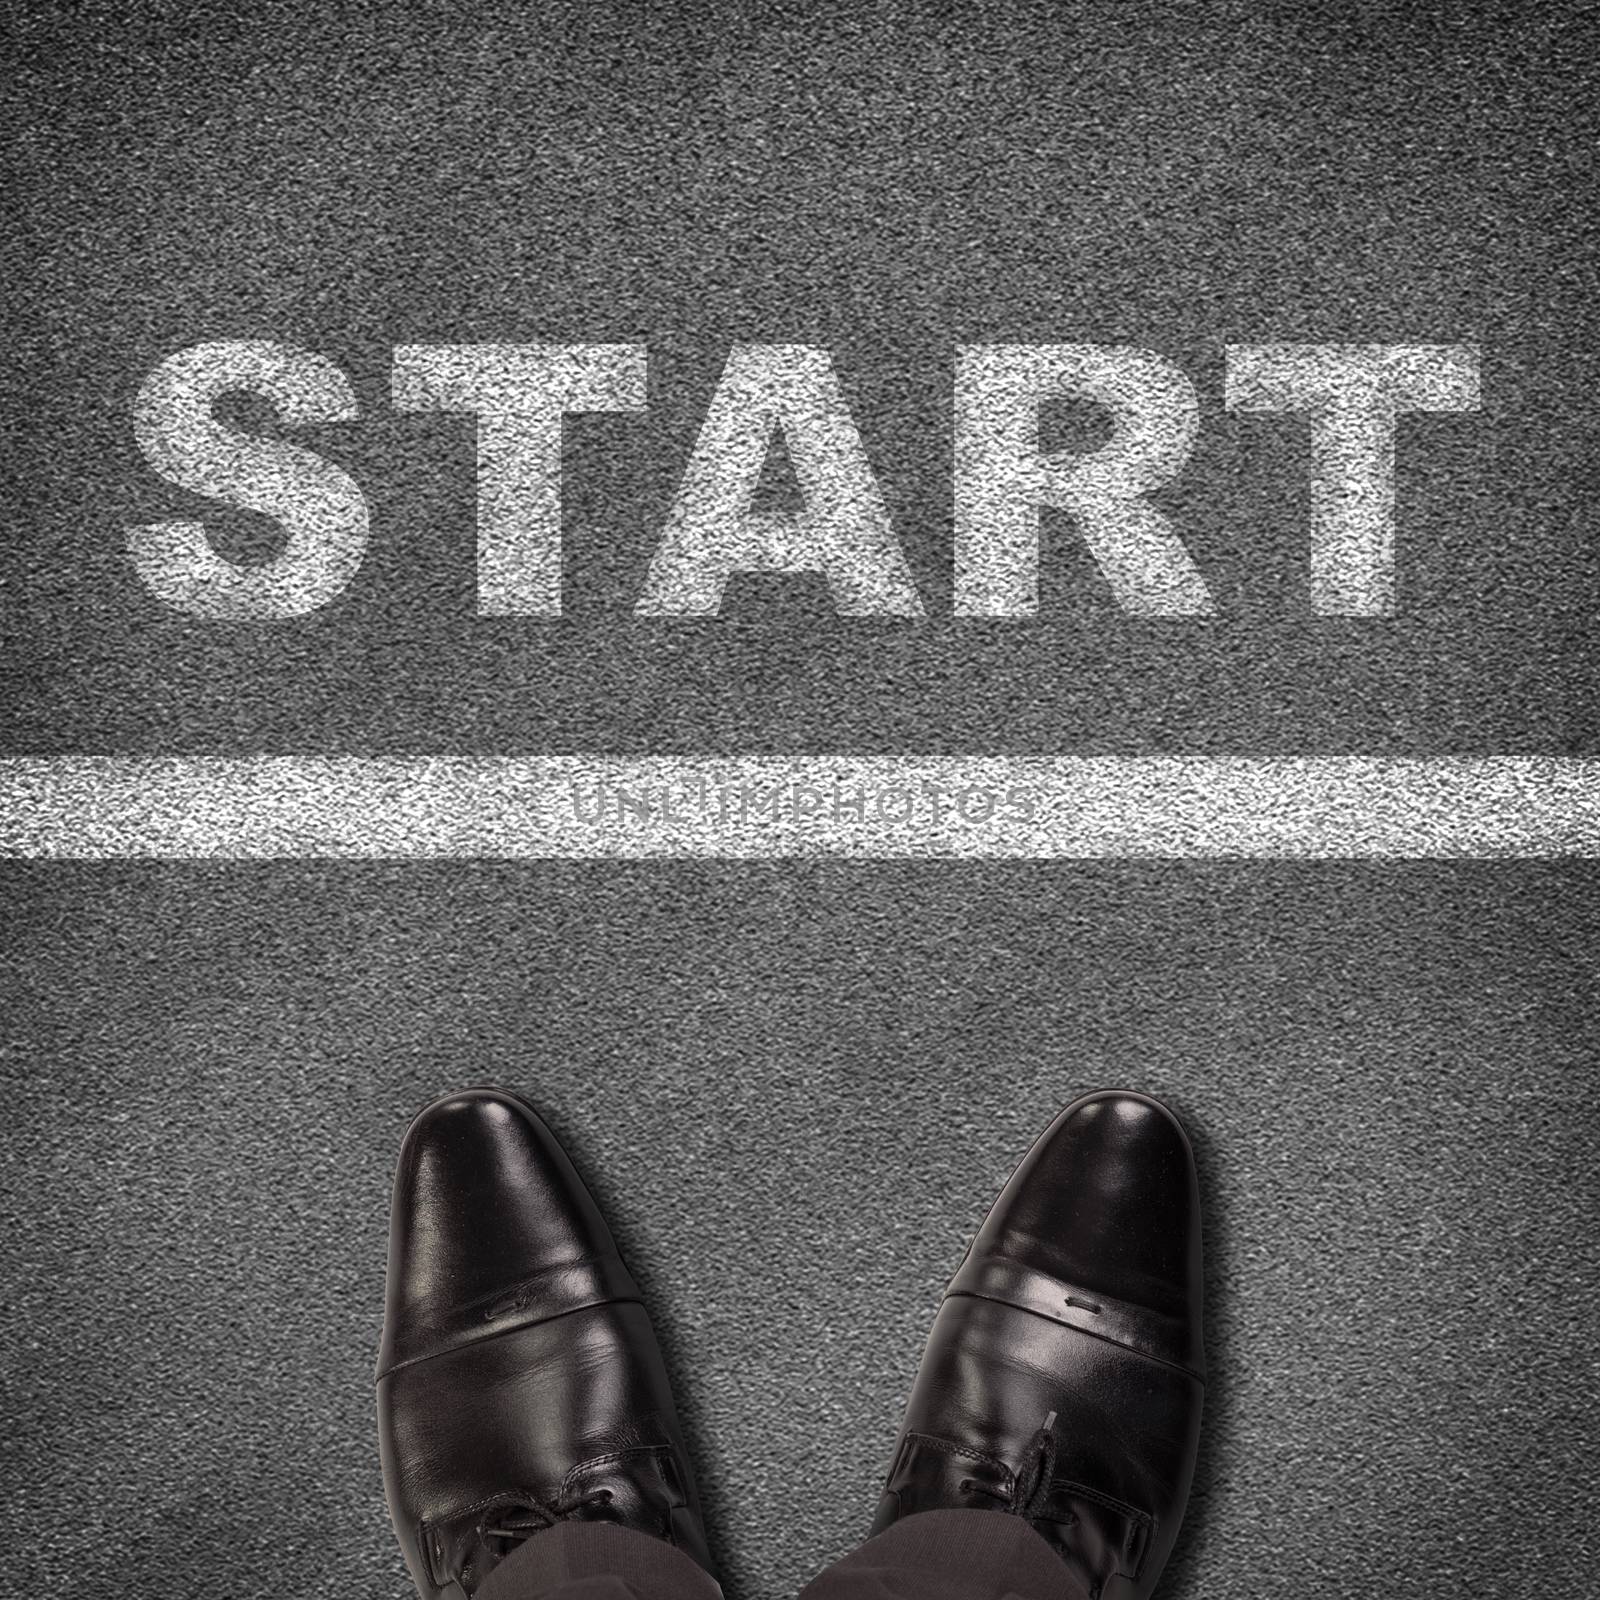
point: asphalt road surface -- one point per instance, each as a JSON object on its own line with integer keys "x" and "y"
{"x": 797, "y": 1085}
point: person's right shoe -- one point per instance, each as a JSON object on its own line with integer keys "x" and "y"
{"x": 1063, "y": 1378}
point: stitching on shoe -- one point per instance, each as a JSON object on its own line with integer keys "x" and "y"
{"x": 427, "y": 1528}
{"x": 670, "y": 1473}
{"x": 425, "y": 1545}
{"x": 1141, "y": 1518}
{"x": 950, "y": 1448}
{"x": 1088, "y": 1333}
{"x": 483, "y": 1337}
{"x": 613, "y": 1455}
{"x": 499, "y": 1498}
{"x": 518, "y": 1295}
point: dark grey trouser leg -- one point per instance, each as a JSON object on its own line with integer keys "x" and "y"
{"x": 597, "y": 1561}
{"x": 937, "y": 1555}
{"x": 949, "y": 1555}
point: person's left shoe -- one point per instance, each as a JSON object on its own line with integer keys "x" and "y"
{"x": 519, "y": 1381}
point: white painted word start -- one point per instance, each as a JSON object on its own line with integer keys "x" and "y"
{"x": 520, "y": 394}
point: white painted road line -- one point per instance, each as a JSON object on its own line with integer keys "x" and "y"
{"x": 599, "y": 807}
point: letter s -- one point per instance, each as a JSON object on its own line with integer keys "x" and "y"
{"x": 320, "y": 507}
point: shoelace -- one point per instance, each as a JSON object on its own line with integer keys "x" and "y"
{"x": 1036, "y": 1468}
{"x": 534, "y": 1516}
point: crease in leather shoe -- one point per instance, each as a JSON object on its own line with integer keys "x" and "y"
{"x": 1064, "y": 1376}
{"x": 519, "y": 1380}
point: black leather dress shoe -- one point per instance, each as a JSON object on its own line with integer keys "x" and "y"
{"x": 519, "y": 1382}
{"x": 1064, "y": 1375}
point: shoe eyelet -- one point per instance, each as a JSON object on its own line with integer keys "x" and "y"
{"x": 965, "y": 1486}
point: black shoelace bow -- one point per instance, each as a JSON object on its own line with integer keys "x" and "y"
{"x": 530, "y": 1516}
{"x": 1030, "y": 1490}
{"x": 465, "y": 1555}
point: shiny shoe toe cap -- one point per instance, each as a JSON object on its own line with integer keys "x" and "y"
{"x": 490, "y": 1227}
{"x": 1106, "y": 1205}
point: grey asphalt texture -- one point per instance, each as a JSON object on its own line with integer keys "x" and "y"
{"x": 796, "y": 1086}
